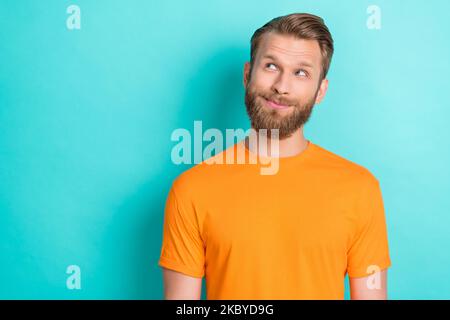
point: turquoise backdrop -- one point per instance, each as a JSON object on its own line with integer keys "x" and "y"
{"x": 86, "y": 117}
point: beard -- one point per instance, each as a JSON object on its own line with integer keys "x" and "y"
{"x": 263, "y": 117}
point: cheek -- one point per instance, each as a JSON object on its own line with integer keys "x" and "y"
{"x": 304, "y": 90}
{"x": 262, "y": 81}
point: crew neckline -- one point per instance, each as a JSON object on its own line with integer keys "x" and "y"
{"x": 298, "y": 157}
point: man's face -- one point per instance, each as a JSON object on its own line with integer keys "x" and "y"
{"x": 284, "y": 83}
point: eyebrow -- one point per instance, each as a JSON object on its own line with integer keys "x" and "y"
{"x": 301, "y": 63}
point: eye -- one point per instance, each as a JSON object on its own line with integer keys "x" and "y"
{"x": 271, "y": 66}
{"x": 302, "y": 73}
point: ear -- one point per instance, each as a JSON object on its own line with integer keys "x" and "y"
{"x": 322, "y": 90}
{"x": 246, "y": 73}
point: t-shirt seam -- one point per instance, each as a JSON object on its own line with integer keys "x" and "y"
{"x": 163, "y": 260}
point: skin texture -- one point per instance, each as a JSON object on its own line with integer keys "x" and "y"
{"x": 178, "y": 286}
{"x": 288, "y": 70}
{"x": 360, "y": 291}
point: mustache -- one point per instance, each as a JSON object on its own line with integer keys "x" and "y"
{"x": 279, "y": 100}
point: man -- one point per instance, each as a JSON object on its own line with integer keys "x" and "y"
{"x": 291, "y": 235}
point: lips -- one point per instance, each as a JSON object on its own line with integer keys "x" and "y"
{"x": 276, "y": 105}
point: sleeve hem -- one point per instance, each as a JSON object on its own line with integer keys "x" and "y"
{"x": 169, "y": 264}
{"x": 361, "y": 272}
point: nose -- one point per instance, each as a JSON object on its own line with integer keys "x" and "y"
{"x": 281, "y": 84}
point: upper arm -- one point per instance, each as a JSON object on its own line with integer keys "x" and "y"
{"x": 183, "y": 252}
{"x": 373, "y": 287}
{"x": 182, "y": 249}
{"x": 369, "y": 247}
{"x": 178, "y": 286}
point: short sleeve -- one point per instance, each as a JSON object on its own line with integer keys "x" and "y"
{"x": 182, "y": 246}
{"x": 369, "y": 249}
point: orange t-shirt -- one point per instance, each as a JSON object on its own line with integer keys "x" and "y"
{"x": 290, "y": 235}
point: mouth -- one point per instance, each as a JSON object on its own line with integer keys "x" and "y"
{"x": 275, "y": 105}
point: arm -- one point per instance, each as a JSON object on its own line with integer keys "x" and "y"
{"x": 373, "y": 287}
{"x": 178, "y": 286}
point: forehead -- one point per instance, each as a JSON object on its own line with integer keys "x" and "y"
{"x": 289, "y": 48}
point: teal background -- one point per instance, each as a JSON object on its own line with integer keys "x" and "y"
{"x": 86, "y": 117}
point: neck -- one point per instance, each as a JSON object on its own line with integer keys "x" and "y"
{"x": 288, "y": 147}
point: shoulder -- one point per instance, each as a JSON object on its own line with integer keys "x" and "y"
{"x": 336, "y": 164}
{"x": 203, "y": 176}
